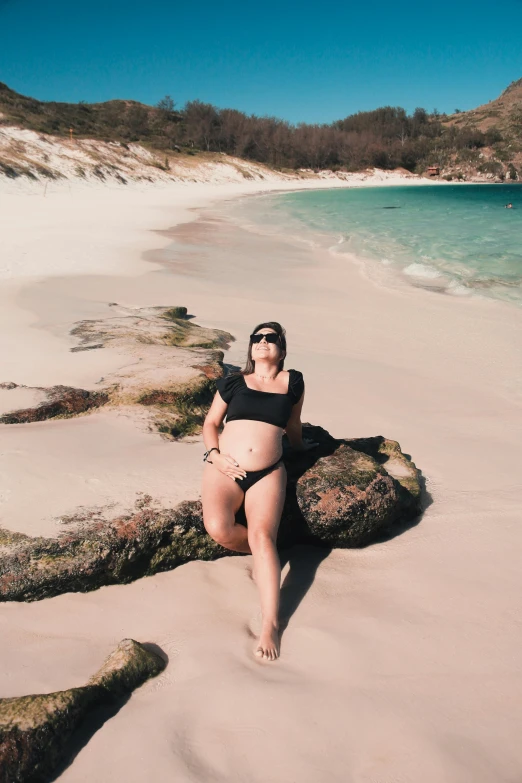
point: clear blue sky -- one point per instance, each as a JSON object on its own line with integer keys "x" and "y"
{"x": 302, "y": 61}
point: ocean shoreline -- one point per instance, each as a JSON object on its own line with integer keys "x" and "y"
{"x": 443, "y": 274}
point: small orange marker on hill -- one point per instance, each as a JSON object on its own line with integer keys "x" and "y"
{"x": 71, "y": 133}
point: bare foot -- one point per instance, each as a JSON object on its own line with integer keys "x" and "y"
{"x": 268, "y": 646}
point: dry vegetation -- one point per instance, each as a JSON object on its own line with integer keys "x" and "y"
{"x": 125, "y": 139}
{"x": 500, "y": 121}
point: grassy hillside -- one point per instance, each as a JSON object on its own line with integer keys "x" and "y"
{"x": 483, "y": 144}
{"x": 501, "y": 121}
{"x": 503, "y": 114}
{"x": 121, "y": 120}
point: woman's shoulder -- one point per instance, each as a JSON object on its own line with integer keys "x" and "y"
{"x": 228, "y": 385}
{"x": 295, "y": 375}
{"x": 295, "y": 384}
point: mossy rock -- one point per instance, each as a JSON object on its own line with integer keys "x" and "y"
{"x": 35, "y": 730}
{"x": 181, "y": 411}
{"x": 340, "y": 495}
{"x": 175, "y": 362}
{"x": 175, "y": 313}
{"x": 61, "y": 402}
{"x": 353, "y": 490}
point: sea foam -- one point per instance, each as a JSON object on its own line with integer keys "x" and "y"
{"x": 421, "y": 270}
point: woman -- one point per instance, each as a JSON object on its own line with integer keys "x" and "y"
{"x": 244, "y": 464}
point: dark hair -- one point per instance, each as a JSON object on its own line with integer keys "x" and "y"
{"x": 278, "y": 329}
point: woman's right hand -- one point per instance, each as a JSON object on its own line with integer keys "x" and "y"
{"x": 228, "y": 465}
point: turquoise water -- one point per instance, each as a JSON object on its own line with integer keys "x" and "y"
{"x": 456, "y": 238}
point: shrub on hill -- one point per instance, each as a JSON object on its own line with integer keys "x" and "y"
{"x": 387, "y": 137}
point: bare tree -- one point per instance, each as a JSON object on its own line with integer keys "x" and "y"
{"x": 166, "y": 104}
{"x": 403, "y": 135}
{"x": 202, "y": 123}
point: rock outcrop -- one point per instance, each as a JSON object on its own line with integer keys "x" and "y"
{"x": 172, "y": 362}
{"x": 348, "y": 492}
{"x": 344, "y": 493}
{"x": 35, "y": 730}
{"x": 61, "y": 401}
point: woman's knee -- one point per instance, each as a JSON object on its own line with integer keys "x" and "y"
{"x": 218, "y": 529}
{"x": 259, "y": 538}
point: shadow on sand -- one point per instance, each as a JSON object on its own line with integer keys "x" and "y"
{"x": 306, "y": 557}
{"x": 93, "y": 722}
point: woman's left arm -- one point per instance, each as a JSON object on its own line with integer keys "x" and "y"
{"x": 294, "y": 428}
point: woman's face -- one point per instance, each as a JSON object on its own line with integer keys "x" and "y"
{"x": 266, "y": 350}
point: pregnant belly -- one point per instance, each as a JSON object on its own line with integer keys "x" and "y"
{"x": 253, "y": 444}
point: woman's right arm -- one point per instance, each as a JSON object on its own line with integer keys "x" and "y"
{"x": 213, "y": 421}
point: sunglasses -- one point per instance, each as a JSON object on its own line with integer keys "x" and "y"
{"x": 271, "y": 337}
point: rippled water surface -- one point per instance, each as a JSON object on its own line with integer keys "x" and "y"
{"x": 459, "y": 238}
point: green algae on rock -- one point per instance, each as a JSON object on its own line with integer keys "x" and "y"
{"x": 34, "y": 730}
{"x": 181, "y": 411}
{"x": 61, "y": 402}
{"x": 118, "y": 551}
{"x": 340, "y": 495}
{"x": 174, "y": 361}
{"x": 351, "y": 491}
{"x": 149, "y": 325}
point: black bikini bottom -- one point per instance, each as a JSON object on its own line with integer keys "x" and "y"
{"x": 255, "y": 475}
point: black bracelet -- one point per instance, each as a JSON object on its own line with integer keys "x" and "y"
{"x": 205, "y": 455}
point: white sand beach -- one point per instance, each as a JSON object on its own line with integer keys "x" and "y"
{"x": 400, "y": 661}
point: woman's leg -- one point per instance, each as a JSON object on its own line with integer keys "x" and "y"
{"x": 222, "y": 498}
{"x": 263, "y": 506}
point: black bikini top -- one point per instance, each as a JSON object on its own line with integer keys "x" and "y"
{"x": 270, "y": 407}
